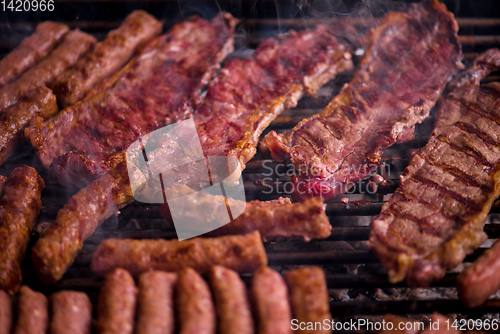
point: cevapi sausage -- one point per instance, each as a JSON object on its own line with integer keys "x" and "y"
{"x": 5, "y": 313}
{"x": 106, "y": 57}
{"x": 32, "y": 312}
{"x": 194, "y": 304}
{"x": 155, "y": 299}
{"x": 116, "y": 305}
{"x": 71, "y": 313}
{"x": 31, "y": 50}
{"x": 309, "y": 297}
{"x": 231, "y": 301}
{"x": 242, "y": 253}
{"x": 19, "y": 207}
{"x": 272, "y": 306}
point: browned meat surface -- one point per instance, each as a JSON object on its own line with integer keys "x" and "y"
{"x": 231, "y": 301}
{"x": 19, "y": 208}
{"x": 411, "y": 58}
{"x": 271, "y": 303}
{"x": 277, "y": 219}
{"x": 243, "y": 253}
{"x": 5, "y": 313}
{"x": 31, "y": 50}
{"x": 155, "y": 303}
{"x": 116, "y": 305}
{"x": 194, "y": 305}
{"x": 32, "y": 312}
{"x": 309, "y": 297}
{"x": 3, "y": 179}
{"x": 37, "y": 102}
{"x": 71, "y": 313}
{"x": 72, "y": 47}
{"x": 156, "y": 88}
{"x": 77, "y": 220}
{"x": 480, "y": 280}
{"x": 436, "y": 216}
{"x": 106, "y": 57}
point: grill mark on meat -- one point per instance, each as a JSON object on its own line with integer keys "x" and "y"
{"x": 419, "y": 258}
{"x": 470, "y": 151}
{"x": 395, "y": 87}
{"x": 478, "y": 110}
{"x": 469, "y": 204}
{"x": 331, "y": 128}
{"x": 458, "y": 173}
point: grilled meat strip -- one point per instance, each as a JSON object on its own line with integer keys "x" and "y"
{"x": 32, "y": 312}
{"x": 195, "y": 308}
{"x": 31, "y": 50}
{"x": 411, "y": 58}
{"x": 71, "y": 313}
{"x": 271, "y": 303}
{"x": 231, "y": 301}
{"x": 106, "y": 57}
{"x": 5, "y": 313}
{"x": 156, "y": 88}
{"x": 116, "y": 305}
{"x": 243, "y": 253}
{"x": 155, "y": 299}
{"x": 436, "y": 216}
{"x": 19, "y": 207}
{"x": 480, "y": 280}
{"x": 309, "y": 297}
{"x": 72, "y": 47}
{"x": 37, "y": 102}
{"x": 276, "y": 219}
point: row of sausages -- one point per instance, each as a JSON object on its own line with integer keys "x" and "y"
{"x": 164, "y": 302}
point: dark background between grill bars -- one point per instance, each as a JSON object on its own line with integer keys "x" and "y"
{"x": 358, "y": 283}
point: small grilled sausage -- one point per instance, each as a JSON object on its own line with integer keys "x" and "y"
{"x": 31, "y": 50}
{"x": 5, "y": 313}
{"x": 116, "y": 305}
{"x": 155, "y": 299}
{"x": 19, "y": 207}
{"x": 106, "y": 57}
{"x": 194, "y": 304}
{"x": 309, "y": 297}
{"x": 243, "y": 253}
{"x": 72, "y": 47}
{"x": 231, "y": 301}
{"x": 272, "y": 307}
{"x": 480, "y": 280}
{"x": 32, "y": 312}
{"x": 71, "y": 313}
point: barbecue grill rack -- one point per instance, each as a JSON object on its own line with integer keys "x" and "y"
{"x": 358, "y": 283}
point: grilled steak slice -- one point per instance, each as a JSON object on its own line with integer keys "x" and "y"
{"x": 155, "y": 303}
{"x": 271, "y": 303}
{"x": 106, "y": 57}
{"x": 71, "y": 313}
{"x": 19, "y": 207}
{"x": 194, "y": 304}
{"x": 37, "y": 102}
{"x": 480, "y": 280}
{"x": 32, "y": 312}
{"x": 31, "y": 50}
{"x": 153, "y": 90}
{"x": 243, "y": 253}
{"x": 309, "y": 297}
{"x": 116, "y": 304}
{"x": 6, "y": 316}
{"x": 72, "y": 47}
{"x": 436, "y": 216}
{"x": 411, "y": 58}
{"x": 231, "y": 301}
